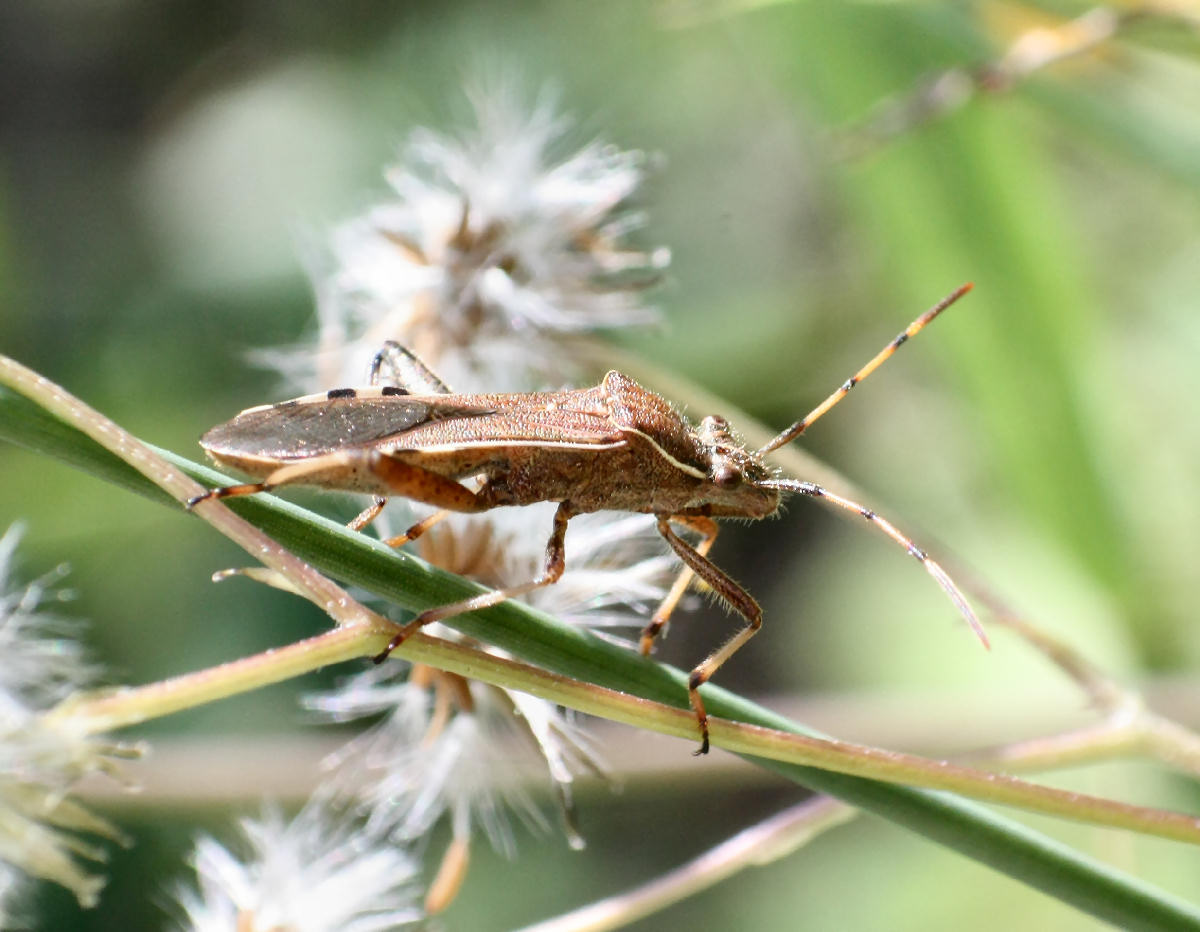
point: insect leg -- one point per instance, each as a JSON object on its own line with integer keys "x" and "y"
{"x": 408, "y": 371}
{"x": 704, "y": 526}
{"x": 315, "y": 470}
{"x": 368, "y": 514}
{"x": 366, "y": 471}
{"x": 426, "y": 523}
{"x": 417, "y": 529}
{"x": 734, "y": 596}
{"x": 421, "y": 485}
{"x": 552, "y": 572}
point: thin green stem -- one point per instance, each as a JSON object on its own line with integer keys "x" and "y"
{"x": 119, "y": 708}
{"x": 328, "y": 596}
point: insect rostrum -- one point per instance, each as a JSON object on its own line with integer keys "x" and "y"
{"x": 614, "y": 446}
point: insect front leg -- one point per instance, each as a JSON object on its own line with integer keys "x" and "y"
{"x": 706, "y": 527}
{"x": 732, "y": 595}
{"x": 556, "y": 558}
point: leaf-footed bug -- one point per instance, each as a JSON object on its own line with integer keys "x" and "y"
{"x": 614, "y": 446}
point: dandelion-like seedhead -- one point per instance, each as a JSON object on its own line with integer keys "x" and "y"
{"x": 42, "y": 664}
{"x": 319, "y": 872}
{"x": 13, "y": 886}
{"x": 42, "y": 755}
{"x": 616, "y": 567}
{"x": 444, "y": 747}
{"x": 497, "y": 246}
{"x": 447, "y": 747}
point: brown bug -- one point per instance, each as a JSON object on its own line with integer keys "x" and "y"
{"x": 613, "y": 446}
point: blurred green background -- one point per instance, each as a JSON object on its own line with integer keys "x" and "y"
{"x": 167, "y": 170}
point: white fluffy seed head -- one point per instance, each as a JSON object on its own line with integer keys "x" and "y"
{"x": 318, "y": 872}
{"x": 500, "y": 243}
{"x": 42, "y": 756}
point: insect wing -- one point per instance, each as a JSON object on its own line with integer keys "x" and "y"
{"x": 562, "y": 420}
{"x": 338, "y": 420}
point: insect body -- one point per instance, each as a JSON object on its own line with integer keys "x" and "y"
{"x": 615, "y": 446}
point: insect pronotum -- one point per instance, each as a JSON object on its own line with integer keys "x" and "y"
{"x": 614, "y": 446}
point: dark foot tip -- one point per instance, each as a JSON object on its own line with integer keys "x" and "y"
{"x": 387, "y": 651}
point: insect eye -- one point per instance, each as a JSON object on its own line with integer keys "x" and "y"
{"x": 726, "y": 475}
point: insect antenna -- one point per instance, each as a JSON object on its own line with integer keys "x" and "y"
{"x": 812, "y": 490}
{"x": 910, "y": 331}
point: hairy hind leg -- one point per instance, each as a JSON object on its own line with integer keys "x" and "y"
{"x": 361, "y": 470}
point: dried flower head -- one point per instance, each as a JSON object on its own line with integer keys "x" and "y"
{"x": 497, "y": 246}
{"x": 42, "y": 754}
{"x": 319, "y": 872}
{"x": 447, "y": 747}
{"x": 444, "y": 746}
{"x": 499, "y": 249}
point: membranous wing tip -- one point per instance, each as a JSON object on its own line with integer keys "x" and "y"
{"x": 336, "y": 420}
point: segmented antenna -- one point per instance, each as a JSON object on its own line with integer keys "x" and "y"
{"x": 910, "y": 331}
{"x": 812, "y": 490}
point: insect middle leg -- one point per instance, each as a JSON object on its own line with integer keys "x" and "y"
{"x": 556, "y": 558}
{"x": 372, "y": 511}
{"x": 733, "y": 595}
{"x": 408, "y": 371}
{"x": 368, "y": 514}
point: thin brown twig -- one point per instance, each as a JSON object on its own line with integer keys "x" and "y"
{"x": 1030, "y": 53}
{"x": 1127, "y": 727}
{"x": 762, "y": 843}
